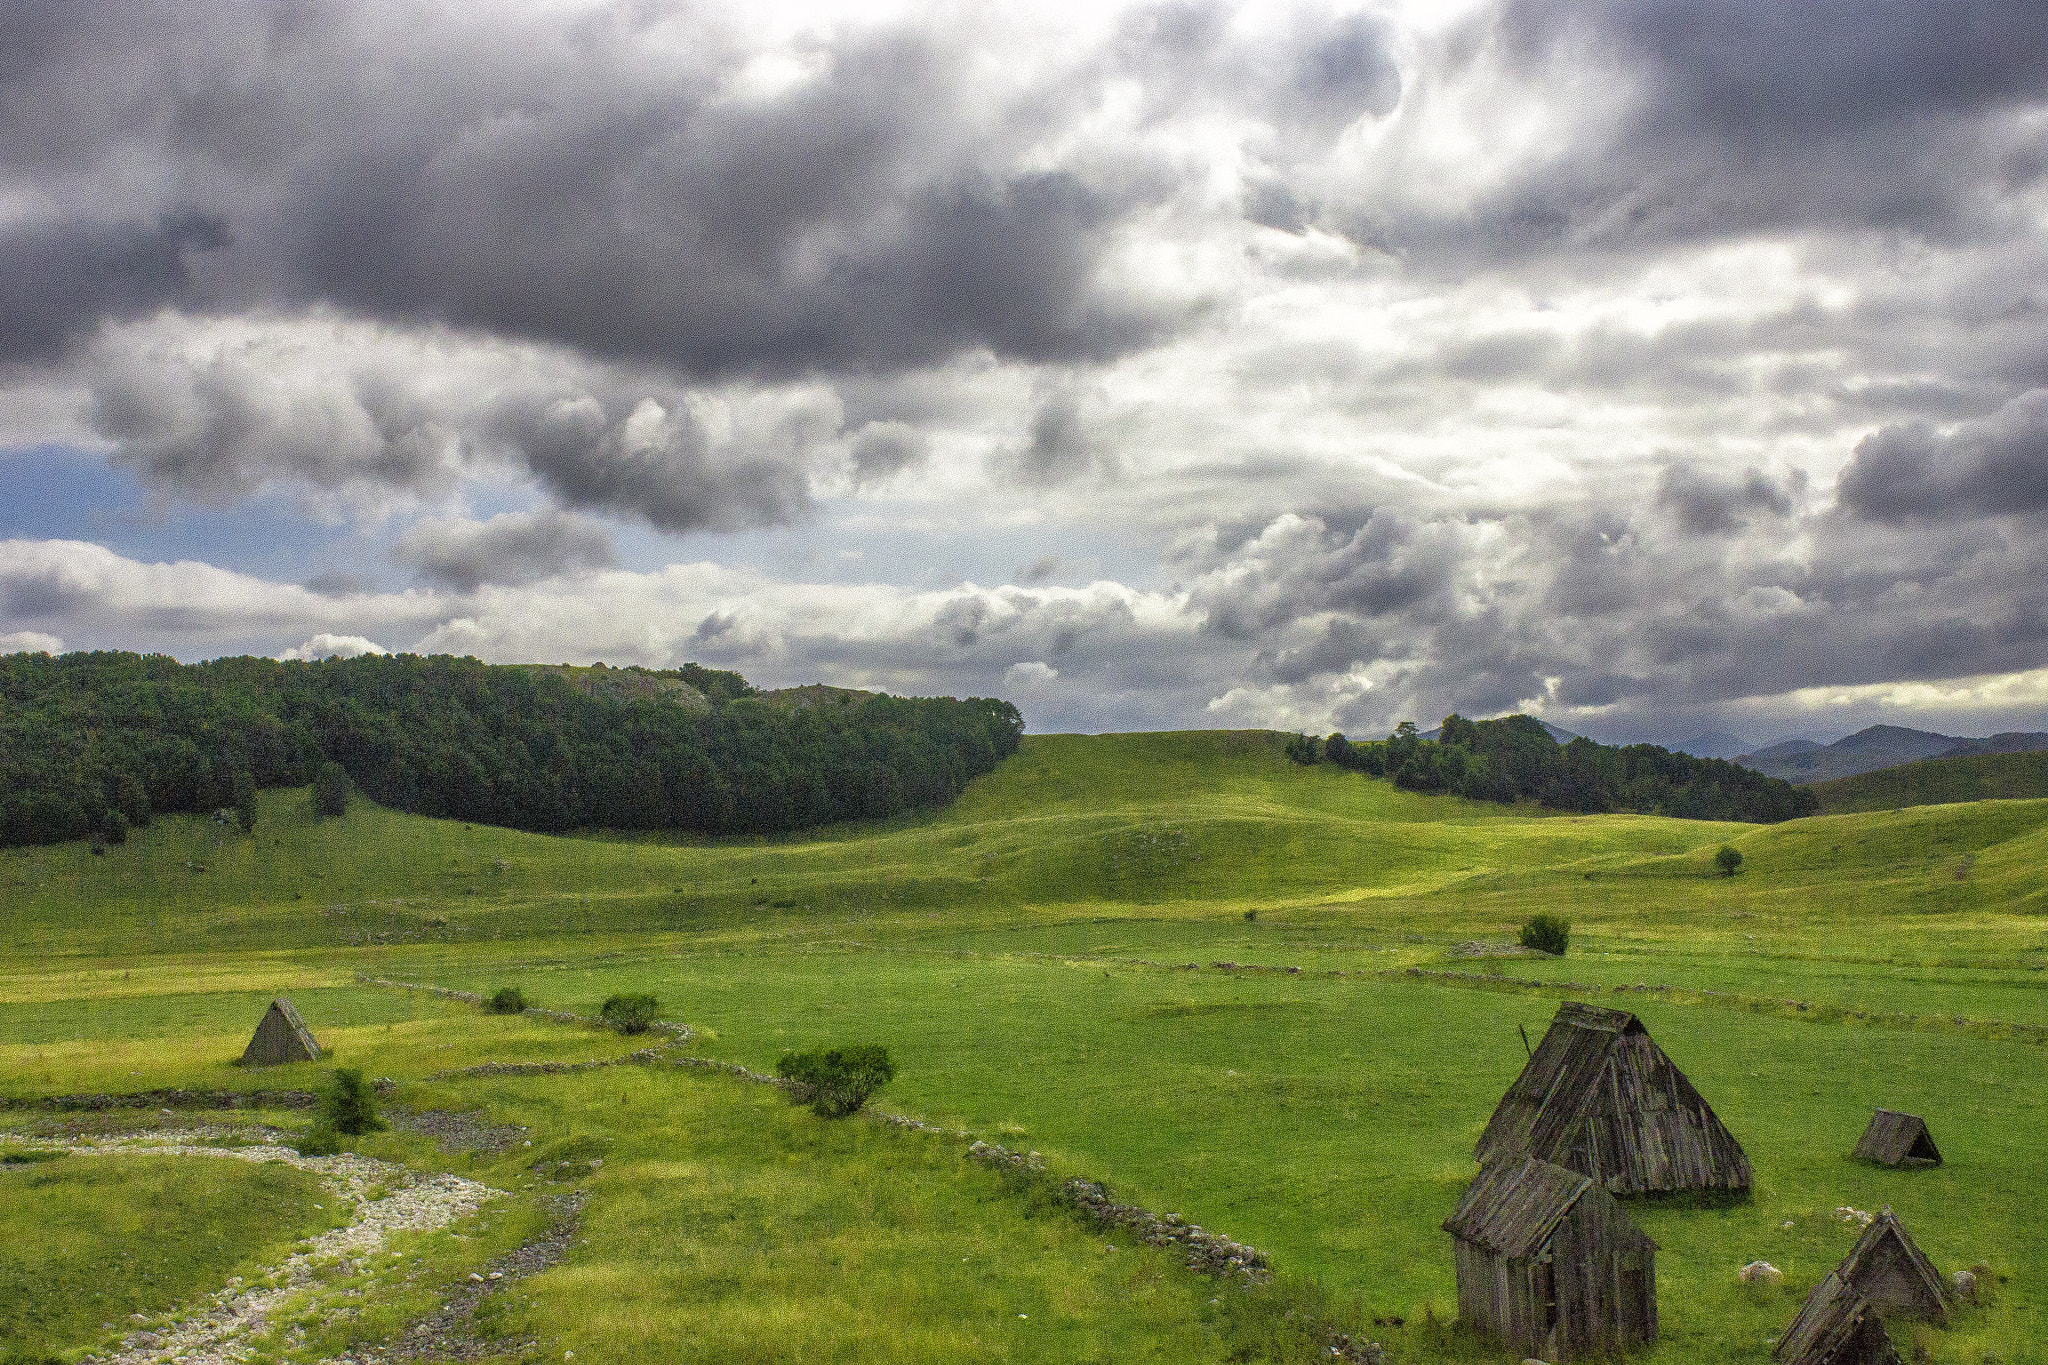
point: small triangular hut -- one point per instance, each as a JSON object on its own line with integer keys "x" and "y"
{"x": 1888, "y": 1269}
{"x": 1836, "y": 1326}
{"x": 1895, "y": 1139}
{"x": 1839, "y": 1323}
{"x": 1599, "y": 1097}
{"x": 281, "y": 1036}
{"x": 1550, "y": 1263}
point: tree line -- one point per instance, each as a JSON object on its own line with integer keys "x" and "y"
{"x": 94, "y": 744}
{"x": 1513, "y": 758}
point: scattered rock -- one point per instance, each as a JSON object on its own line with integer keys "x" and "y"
{"x": 1965, "y": 1285}
{"x": 1761, "y": 1272}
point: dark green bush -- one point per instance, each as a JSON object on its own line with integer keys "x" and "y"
{"x": 506, "y": 1000}
{"x": 841, "y": 1078}
{"x": 1302, "y": 749}
{"x": 1728, "y": 858}
{"x": 629, "y": 1013}
{"x": 1547, "y": 933}
{"x": 319, "y": 1140}
{"x": 349, "y": 1103}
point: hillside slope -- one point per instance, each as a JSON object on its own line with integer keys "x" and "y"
{"x": 1938, "y": 781}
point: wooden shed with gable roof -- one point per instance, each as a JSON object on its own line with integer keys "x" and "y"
{"x": 1895, "y": 1139}
{"x": 1836, "y": 1326}
{"x": 1600, "y": 1097}
{"x": 281, "y": 1036}
{"x": 1549, "y": 1262}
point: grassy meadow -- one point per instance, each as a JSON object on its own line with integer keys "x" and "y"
{"x": 1228, "y": 986}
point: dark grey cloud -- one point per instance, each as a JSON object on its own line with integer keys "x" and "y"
{"x": 1742, "y": 118}
{"x": 882, "y": 450}
{"x": 1706, "y": 503}
{"x": 511, "y": 548}
{"x": 1062, "y": 443}
{"x": 591, "y": 180}
{"x": 58, "y": 282}
{"x": 1993, "y": 466}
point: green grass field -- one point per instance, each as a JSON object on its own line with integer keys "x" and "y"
{"x": 1044, "y": 961}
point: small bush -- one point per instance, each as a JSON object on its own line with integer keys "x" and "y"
{"x": 1728, "y": 858}
{"x": 506, "y": 1000}
{"x": 1547, "y": 933}
{"x": 319, "y": 1140}
{"x": 1250, "y": 916}
{"x": 349, "y": 1103}
{"x": 629, "y": 1013}
{"x": 116, "y": 831}
{"x": 840, "y": 1079}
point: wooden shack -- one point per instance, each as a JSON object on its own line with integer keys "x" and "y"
{"x": 1549, "y": 1262}
{"x": 1599, "y": 1097}
{"x": 1895, "y": 1139}
{"x": 1888, "y": 1269}
{"x": 1836, "y": 1326}
{"x": 281, "y": 1036}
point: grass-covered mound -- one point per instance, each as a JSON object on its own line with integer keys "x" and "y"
{"x": 1939, "y": 781}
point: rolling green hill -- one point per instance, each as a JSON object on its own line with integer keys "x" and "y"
{"x": 1232, "y": 986}
{"x": 1939, "y": 781}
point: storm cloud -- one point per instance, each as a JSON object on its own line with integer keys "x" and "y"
{"x": 1651, "y": 366}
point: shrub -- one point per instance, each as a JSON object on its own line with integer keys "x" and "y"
{"x": 629, "y": 1013}
{"x": 840, "y": 1079}
{"x": 319, "y": 1140}
{"x": 349, "y": 1103}
{"x": 116, "y": 830}
{"x": 1728, "y": 858}
{"x": 245, "y": 801}
{"x": 330, "y": 790}
{"x": 1547, "y": 933}
{"x": 506, "y": 1000}
{"x": 1301, "y": 748}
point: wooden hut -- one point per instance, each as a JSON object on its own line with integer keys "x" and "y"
{"x": 1550, "y": 1263}
{"x": 281, "y": 1036}
{"x": 1888, "y": 1269}
{"x": 1836, "y": 1326}
{"x": 1599, "y": 1097}
{"x": 1895, "y": 1139}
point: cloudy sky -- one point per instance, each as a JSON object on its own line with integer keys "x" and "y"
{"x": 1653, "y": 367}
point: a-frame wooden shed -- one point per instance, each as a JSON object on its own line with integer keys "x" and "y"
{"x": 1599, "y": 1097}
{"x": 1550, "y": 1263}
{"x": 1888, "y": 1269}
{"x": 281, "y": 1036}
{"x": 1836, "y": 1326}
{"x": 1895, "y": 1139}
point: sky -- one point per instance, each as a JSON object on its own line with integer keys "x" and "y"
{"x": 1651, "y": 366}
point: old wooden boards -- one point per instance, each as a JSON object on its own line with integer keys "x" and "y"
{"x": 1549, "y": 1262}
{"x": 281, "y": 1036}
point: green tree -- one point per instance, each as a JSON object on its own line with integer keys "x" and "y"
{"x": 245, "y": 800}
{"x": 330, "y": 790}
{"x": 1728, "y": 858}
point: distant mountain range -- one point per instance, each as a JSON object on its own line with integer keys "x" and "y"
{"x": 1880, "y": 746}
{"x": 1557, "y": 732}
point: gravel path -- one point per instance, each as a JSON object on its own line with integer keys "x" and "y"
{"x": 217, "y": 1329}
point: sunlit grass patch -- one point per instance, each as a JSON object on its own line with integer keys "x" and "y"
{"x": 88, "y": 1240}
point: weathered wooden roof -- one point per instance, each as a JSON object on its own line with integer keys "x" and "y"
{"x": 1835, "y": 1326}
{"x": 1896, "y": 1139}
{"x": 280, "y": 1036}
{"x": 1888, "y": 1269}
{"x": 1599, "y": 1096}
{"x": 1512, "y": 1206}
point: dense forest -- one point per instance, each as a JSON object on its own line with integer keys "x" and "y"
{"x": 95, "y": 744}
{"x": 1515, "y": 757}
